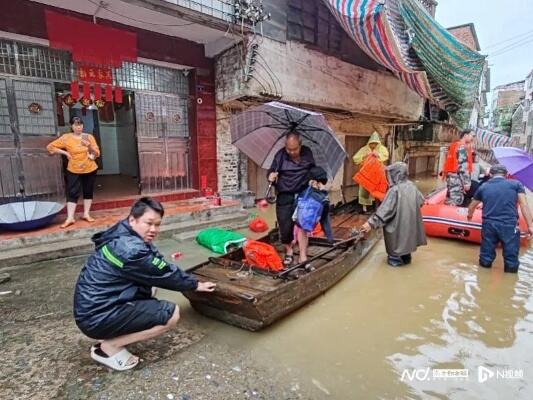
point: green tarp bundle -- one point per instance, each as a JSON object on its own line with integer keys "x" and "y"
{"x": 218, "y": 240}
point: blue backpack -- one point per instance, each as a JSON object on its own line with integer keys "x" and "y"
{"x": 309, "y": 210}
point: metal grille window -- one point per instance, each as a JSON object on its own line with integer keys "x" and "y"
{"x": 42, "y": 62}
{"x": 35, "y": 123}
{"x": 7, "y": 58}
{"x": 5, "y": 127}
{"x": 147, "y": 77}
{"x": 222, "y": 9}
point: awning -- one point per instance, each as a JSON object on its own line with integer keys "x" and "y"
{"x": 404, "y": 38}
{"x": 486, "y": 141}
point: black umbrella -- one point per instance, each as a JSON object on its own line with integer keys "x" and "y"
{"x": 259, "y": 132}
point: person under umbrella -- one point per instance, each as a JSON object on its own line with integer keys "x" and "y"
{"x": 289, "y": 171}
{"x": 287, "y": 141}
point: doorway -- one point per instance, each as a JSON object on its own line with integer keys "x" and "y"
{"x": 113, "y": 127}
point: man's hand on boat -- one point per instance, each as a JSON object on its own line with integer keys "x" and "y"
{"x": 206, "y": 287}
{"x": 366, "y": 227}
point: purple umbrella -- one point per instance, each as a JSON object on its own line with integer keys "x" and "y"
{"x": 518, "y": 163}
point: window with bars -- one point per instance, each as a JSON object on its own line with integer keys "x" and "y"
{"x": 7, "y": 58}
{"x": 43, "y": 62}
{"x": 147, "y": 77}
{"x": 34, "y": 61}
{"x": 222, "y": 9}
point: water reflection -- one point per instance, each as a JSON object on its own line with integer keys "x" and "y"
{"x": 485, "y": 321}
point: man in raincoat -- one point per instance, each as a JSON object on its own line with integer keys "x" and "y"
{"x": 113, "y": 300}
{"x": 400, "y": 216}
{"x": 373, "y": 148}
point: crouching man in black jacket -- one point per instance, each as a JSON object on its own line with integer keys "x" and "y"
{"x": 113, "y": 298}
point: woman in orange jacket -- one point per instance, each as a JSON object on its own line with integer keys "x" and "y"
{"x": 81, "y": 150}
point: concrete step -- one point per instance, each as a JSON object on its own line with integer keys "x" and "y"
{"x": 83, "y": 246}
{"x": 81, "y": 234}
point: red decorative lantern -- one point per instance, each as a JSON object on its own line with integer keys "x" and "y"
{"x": 118, "y": 95}
{"x": 74, "y": 90}
{"x": 87, "y": 90}
{"x": 108, "y": 93}
{"x": 97, "y": 92}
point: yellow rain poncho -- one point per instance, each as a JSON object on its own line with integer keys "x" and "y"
{"x": 365, "y": 199}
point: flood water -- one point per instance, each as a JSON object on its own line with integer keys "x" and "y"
{"x": 382, "y": 332}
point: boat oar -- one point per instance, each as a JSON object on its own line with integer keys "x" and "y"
{"x": 358, "y": 235}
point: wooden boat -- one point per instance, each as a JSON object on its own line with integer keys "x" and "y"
{"x": 449, "y": 221}
{"x": 253, "y": 299}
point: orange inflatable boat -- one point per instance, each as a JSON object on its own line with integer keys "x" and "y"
{"x": 448, "y": 221}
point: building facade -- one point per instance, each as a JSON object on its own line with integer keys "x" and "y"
{"x": 505, "y": 100}
{"x": 306, "y": 59}
{"x": 152, "y": 111}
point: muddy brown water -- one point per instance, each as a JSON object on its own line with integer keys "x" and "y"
{"x": 385, "y": 333}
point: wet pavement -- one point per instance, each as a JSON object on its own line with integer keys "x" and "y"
{"x": 381, "y": 333}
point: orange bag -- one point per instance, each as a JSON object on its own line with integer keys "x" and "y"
{"x": 262, "y": 255}
{"x": 318, "y": 231}
{"x": 372, "y": 177}
{"x": 258, "y": 224}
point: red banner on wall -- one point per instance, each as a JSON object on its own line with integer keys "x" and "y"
{"x": 95, "y": 74}
{"x": 90, "y": 43}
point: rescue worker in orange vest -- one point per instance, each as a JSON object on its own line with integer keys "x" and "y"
{"x": 458, "y": 168}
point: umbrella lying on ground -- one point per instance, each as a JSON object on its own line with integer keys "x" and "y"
{"x": 259, "y": 133}
{"x": 26, "y": 215}
{"x": 518, "y": 163}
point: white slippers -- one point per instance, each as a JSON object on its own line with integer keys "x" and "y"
{"x": 118, "y": 361}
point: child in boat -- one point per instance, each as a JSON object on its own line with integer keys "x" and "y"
{"x": 318, "y": 180}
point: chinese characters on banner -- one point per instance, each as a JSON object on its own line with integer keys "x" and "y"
{"x": 95, "y": 74}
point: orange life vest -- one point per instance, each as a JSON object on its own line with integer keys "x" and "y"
{"x": 451, "y": 164}
{"x": 372, "y": 177}
{"x": 262, "y": 255}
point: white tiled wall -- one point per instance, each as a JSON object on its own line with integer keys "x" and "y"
{"x": 108, "y": 140}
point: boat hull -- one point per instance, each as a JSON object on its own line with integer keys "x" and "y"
{"x": 255, "y": 300}
{"x": 448, "y": 221}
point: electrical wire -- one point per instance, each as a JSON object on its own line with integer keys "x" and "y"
{"x": 105, "y": 7}
{"x": 511, "y": 47}
{"x": 508, "y": 39}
